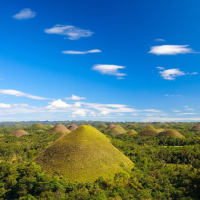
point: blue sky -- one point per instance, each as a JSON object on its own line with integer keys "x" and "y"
{"x": 99, "y": 60}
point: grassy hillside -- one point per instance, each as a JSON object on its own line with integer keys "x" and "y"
{"x": 171, "y": 133}
{"x": 85, "y": 154}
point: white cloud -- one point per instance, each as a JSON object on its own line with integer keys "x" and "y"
{"x": 58, "y": 104}
{"x": 152, "y": 110}
{"x": 3, "y": 105}
{"x": 171, "y": 50}
{"x": 109, "y": 69}
{"x": 21, "y": 94}
{"x": 74, "y": 97}
{"x": 72, "y": 32}
{"x": 191, "y": 109}
{"x": 176, "y": 111}
{"x": 173, "y": 95}
{"x": 81, "y": 113}
{"x": 159, "y": 40}
{"x": 93, "y": 114}
{"x": 25, "y": 14}
{"x": 104, "y": 112}
{"x": 168, "y": 119}
{"x": 77, "y": 105}
{"x": 193, "y": 73}
{"x": 171, "y": 74}
{"x": 21, "y": 105}
{"x": 160, "y": 68}
{"x": 82, "y": 52}
{"x": 186, "y": 113}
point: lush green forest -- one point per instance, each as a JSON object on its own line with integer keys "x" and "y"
{"x": 166, "y": 167}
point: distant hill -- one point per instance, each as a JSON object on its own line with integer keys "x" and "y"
{"x": 19, "y": 133}
{"x": 171, "y": 133}
{"x": 72, "y": 127}
{"x": 58, "y": 131}
{"x": 37, "y": 126}
{"x": 59, "y": 127}
{"x": 116, "y": 129}
{"x": 131, "y": 132}
{"x": 84, "y": 155}
{"x": 196, "y": 127}
{"x": 149, "y": 131}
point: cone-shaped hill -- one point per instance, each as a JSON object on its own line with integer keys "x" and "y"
{"x": 171, "y": 133}
{"x": 116, "y": 129}
{"x": 110, "y": 127}
{"x": 103, "y": 126}
{"x": 19, "y": 133}
{"x": 131, "y": 126}
{"x": 84, "y": 155}
{"x": 37, "y": 126}
{"x": 196, "y": 127}
{"x": 58, "y": 131}
{"x": 59, "y": 127}
{"x": 72, "y": 127}
{"x": 149, "y": 131}
{"x": 131, "y": 132}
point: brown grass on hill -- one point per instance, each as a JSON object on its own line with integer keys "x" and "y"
{"x": 59, "y": 127}
{"x": 19, "y": 133}
{"x": 72, "y": 127}
{"x": 131, "y": 132}
{"x": 84, "y": 155}
{"x": 116, "y": 129}
{"x": 196, "y": 127}
{"x": 111, "y": 127}
{"x": 171, "y": 133}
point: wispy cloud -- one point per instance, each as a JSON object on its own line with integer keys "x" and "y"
{"x": 25, "y": 14}
{"x": 109, "y": 69}
{"x": 81, "y": 113}
{"x": 74, "y": 97}
{"x": 3, "y": 105}
{"x": 186, "y": 113}
{"x": 81, "y": 52}
{"x": 173, "y": 95}
{"x": 191, "y": 109}
{"x": 21, "y": 94}
{"x": 176, "y": 111}
{"x": 171, "y": 74}
{"x": 169, "y": 119}
{"x": 72, "y": 32}
{"x": 171, "y": 50}
{"x": 159, "y": 40}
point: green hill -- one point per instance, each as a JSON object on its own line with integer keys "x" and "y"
{"x": 149, "y": 131}
{"x": 37, "y": 126}
{"x": 171, "y": 133}
{"x": 84, "y": 155}
{"x": 131, "y": 132}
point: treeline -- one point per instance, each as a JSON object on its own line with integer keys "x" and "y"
{"x": 166, "y": 168}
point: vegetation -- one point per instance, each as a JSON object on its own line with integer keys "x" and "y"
{"x": 83, "y": 155}
{"x": 165, "y": 167}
